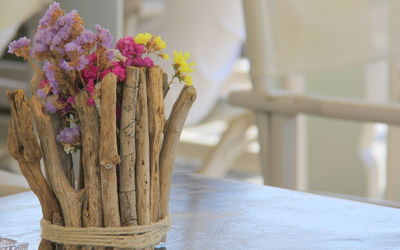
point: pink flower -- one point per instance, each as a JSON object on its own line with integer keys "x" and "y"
{"x": 90, "y": 72}
{"x": 117, "y": 69}
{"x": 129, "y": 48}
{"x": 90, "y": 87}
{"x": 91, "y": 102}
{"x": 43, "y": 83}
{"x": 143, "y": 62}
{"x": 71, "y": 99}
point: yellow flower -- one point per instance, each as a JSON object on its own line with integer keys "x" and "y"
{"x": 164, "y": 56}
{"x": 182, "y": 67}
{"x": 188, "y": 80}
{"x": 159, "y": 43}
{"x": 186, "y": 67}
{"x": 180, "y": 59}
{"x": 143, "y": 38}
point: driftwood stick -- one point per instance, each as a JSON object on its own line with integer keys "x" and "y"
{"x": 34, "y": 84}
{"x": 92, "y": 213}
{"x": 172, "y": 133}
{"x": 127, "y": 182}
{"x": 66, "y": 159}
{"x": 142, "y": 153}
{"x": 23, "y": 146}
{"x": 69, "y": 198}
{"x": 109, "y": 158}
{"x": 155, "y": 102}
{"x": 165, "y": 84}
{"x": 36, "y": 78}
{"x": 81, "y": 174}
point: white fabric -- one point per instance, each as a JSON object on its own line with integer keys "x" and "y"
{"x": 213, "y": 32}
{"x": 309, "y": 35}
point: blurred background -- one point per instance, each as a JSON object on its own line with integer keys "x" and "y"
{"x": 341, "y": 48}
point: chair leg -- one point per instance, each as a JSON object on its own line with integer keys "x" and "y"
{"x": 231, "y": 143}
{"x": 393, "y": 139}
{"x": 280, "y": 151}
{"x": 376, "y": 81}
{"x": 393, "y": 164}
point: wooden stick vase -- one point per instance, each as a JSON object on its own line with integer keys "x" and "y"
{"x": 120, "y": 195}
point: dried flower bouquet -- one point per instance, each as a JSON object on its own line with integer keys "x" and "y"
{"x": 107, "y": 107}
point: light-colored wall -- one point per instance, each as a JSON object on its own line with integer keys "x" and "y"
{"x": 107, "y": 13}
{"x": 333, "y": 156}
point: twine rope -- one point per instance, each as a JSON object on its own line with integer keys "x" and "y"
{"x": 140, "y": 236}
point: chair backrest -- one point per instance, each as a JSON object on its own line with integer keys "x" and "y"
{"x": 277, "y": 112}
{"x": 256, "y": 21}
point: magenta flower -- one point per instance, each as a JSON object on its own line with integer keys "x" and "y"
{"x": 129, "y": 48}
{"x": 90, "y": 87}
{"x": 71, "y": 99}
{"x": 142, "y": 62}
{"x": 91, "y": 102}
{"x": 43, "y": 83}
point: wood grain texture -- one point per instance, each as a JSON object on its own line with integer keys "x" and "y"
{"x": 127, "y": 173}
{"x": 92, "y": 212}
{"x": 172, "y": 133}
{"x": 69, "y": 198}
{"x": 155, "y": 106}
{"x": 66, "y": 159}
{"x": 142, "y": 153}
{"x": 109, "y": 157}
{"x": 23, "y": 146}
{"x": 165, "y": 84}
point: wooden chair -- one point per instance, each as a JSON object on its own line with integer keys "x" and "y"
{"x": 277, "y": 112}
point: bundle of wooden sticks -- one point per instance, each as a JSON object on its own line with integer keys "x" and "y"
{"x": 125, "y": 164}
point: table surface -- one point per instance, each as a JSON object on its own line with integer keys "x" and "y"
{"x": 221, "y": 214}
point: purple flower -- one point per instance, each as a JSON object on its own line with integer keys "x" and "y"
{"x": 83, "y": 61}
{"x": 64, "y": 65}
{"x": 110, "y": 55}
{"x": 86, "y": 37}
{"x": 51, "y": 13}
{"x": 18, "y": 44}
{"x": 50, "y": 107}
{"x": 73, "y": 46}
{"x": 104, "y": 37}
{"x": 42, "y": 40}
{"x": 69, "y": 136}
{"x": 51, "y": 76}
{"x": 63, "y": 29}
{"x": 41, "y": 93}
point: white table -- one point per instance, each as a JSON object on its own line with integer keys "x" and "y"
{"x": 219, "y": 214}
